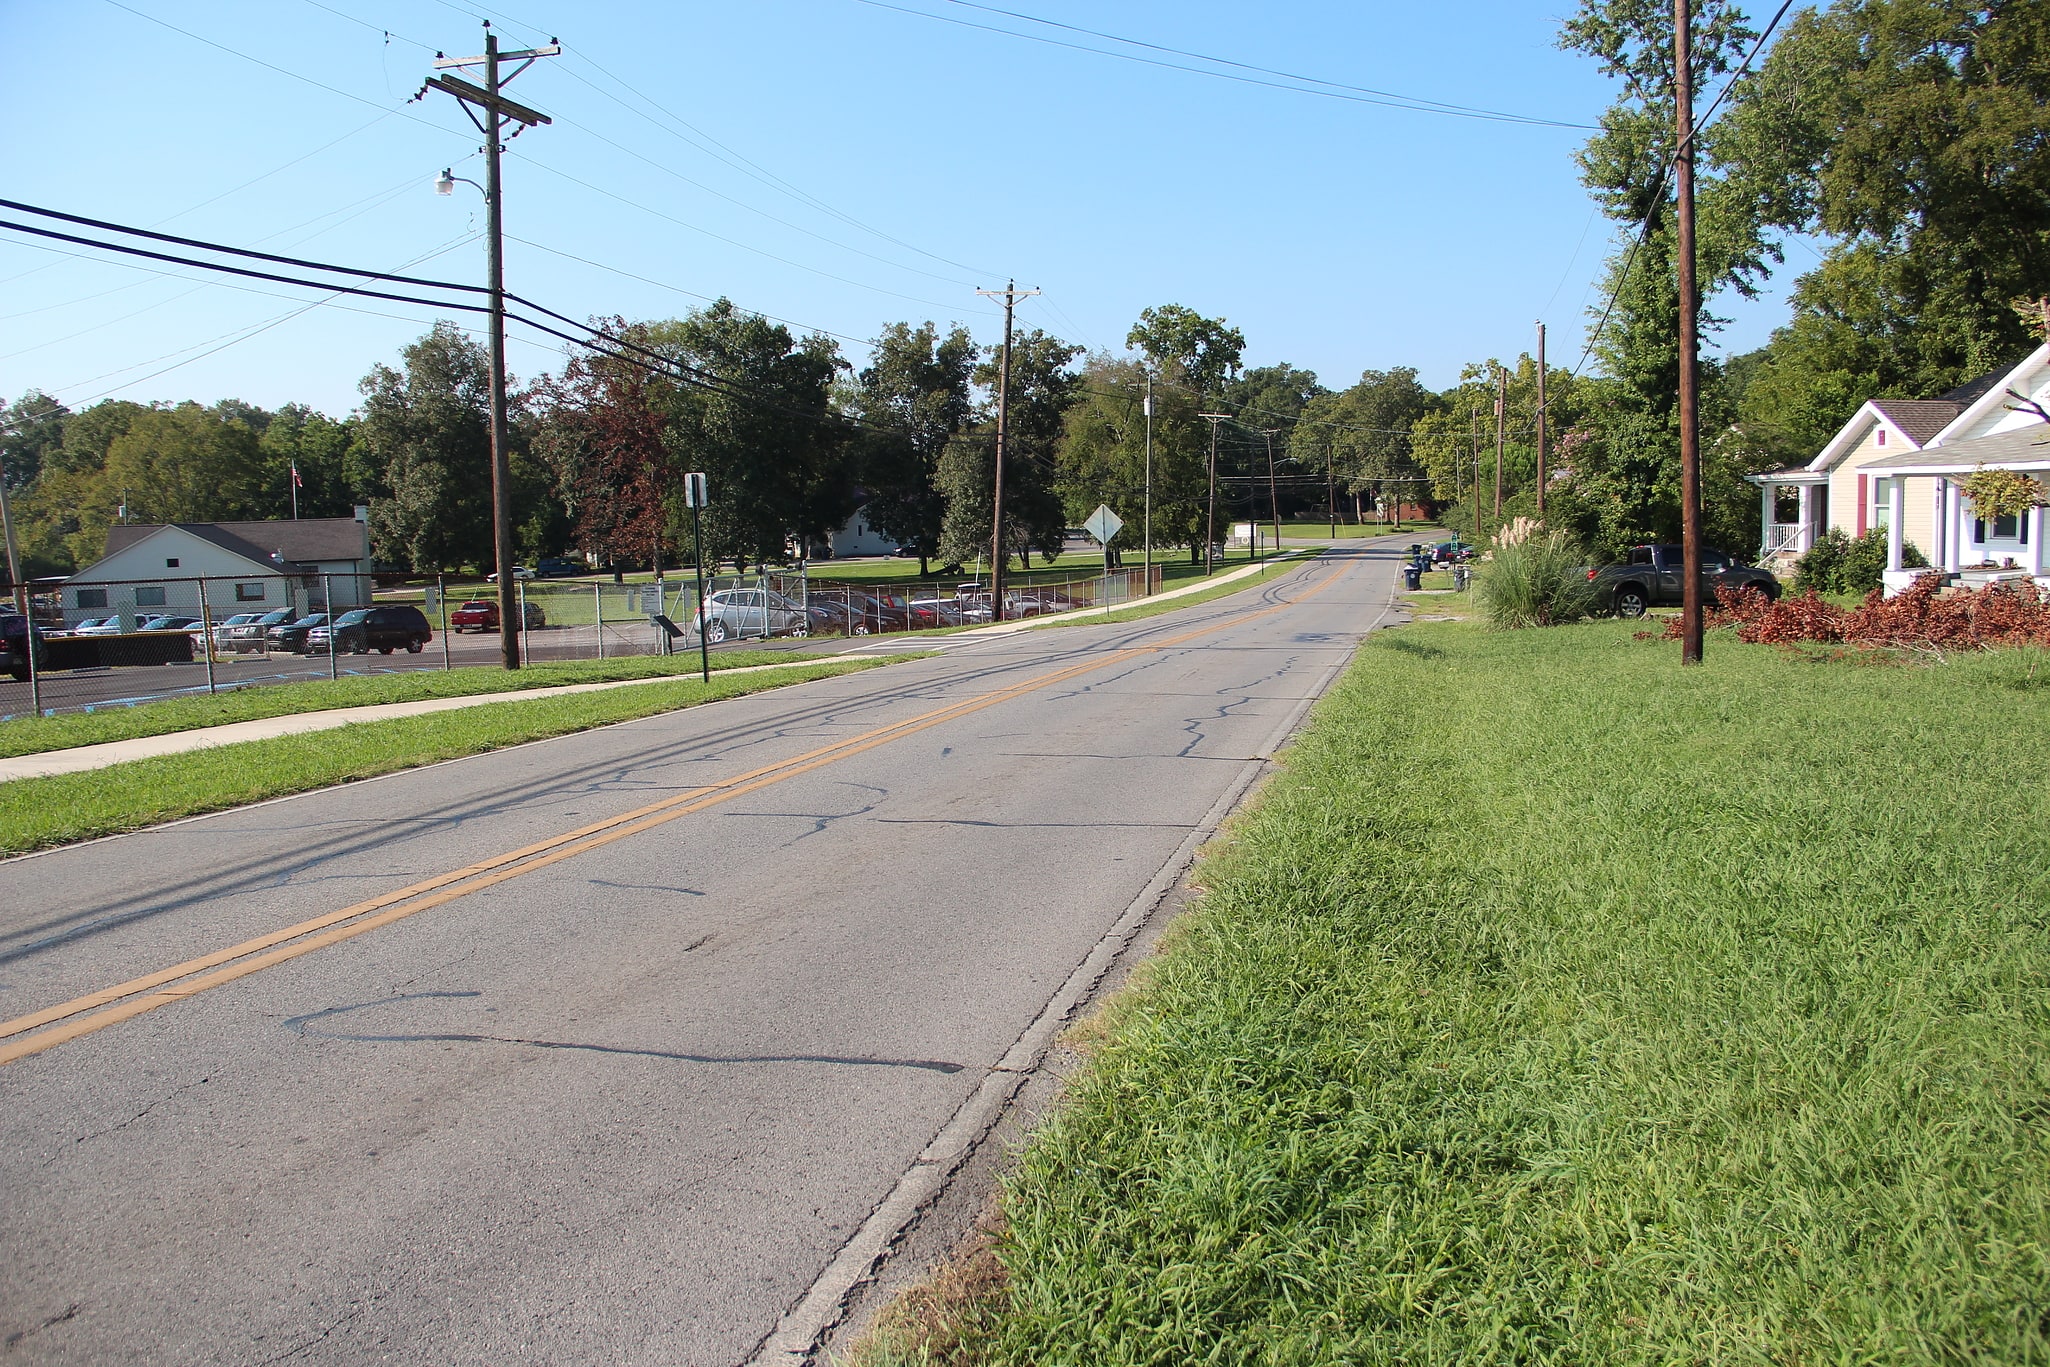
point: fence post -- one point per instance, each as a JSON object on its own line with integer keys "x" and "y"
{"x": 598, "y": 615}
{"x": 327, "y": 591}
{"x": 206, "y": 628}
{"x": 441, "y": 596}
{"x": 26, "y": 598}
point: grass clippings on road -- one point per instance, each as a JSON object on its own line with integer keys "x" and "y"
{"x": 36, "y": 813}
{"x": 68, "y": 730}
{"x": 1634, "y": 1015}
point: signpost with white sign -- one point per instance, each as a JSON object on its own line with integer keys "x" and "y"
{"x": 696, "y": 498}
{"x": 1103, "y": 524}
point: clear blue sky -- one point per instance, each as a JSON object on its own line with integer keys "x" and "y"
{"x": 829, "y": 162}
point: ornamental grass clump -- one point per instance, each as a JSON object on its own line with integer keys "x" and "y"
{"x": 1538, "y": 581}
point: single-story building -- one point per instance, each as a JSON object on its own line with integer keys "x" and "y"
{"x": 1900, "y": 464}
{"x": 309, "y": 565}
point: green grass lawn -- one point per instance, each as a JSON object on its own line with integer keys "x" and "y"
{"x": 1558, "y": 1005}
{"x": 36, "y": 735}
{"x": 39, "y": 812}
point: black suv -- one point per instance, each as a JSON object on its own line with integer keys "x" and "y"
{"x": 383, "y": 629}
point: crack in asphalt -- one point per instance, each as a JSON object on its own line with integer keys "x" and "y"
{"x": 171, "y": 1095}
{"x": 302, "y": 1025}
{"x": 13, "y": 1340}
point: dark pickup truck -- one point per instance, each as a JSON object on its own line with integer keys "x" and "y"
{"x": 1653, "y": 578}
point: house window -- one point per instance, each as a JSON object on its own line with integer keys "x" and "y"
{"x": 92, "y": 598}
{"x": 249, "y": 593}
{"x": 170, "y": 562}
{"x": 1882, "y": 503}
{"x": 1882, "y": 438}
{"x": 149, "y": 596}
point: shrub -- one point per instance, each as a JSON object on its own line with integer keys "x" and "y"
{"x": 1540, "y": 581}
{"x": 1923, "y": 618}
{"x": 1837, "y": 564}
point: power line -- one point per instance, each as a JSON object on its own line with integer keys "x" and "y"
{"x": 1416, "y": 101}
{"x": 1658, "y": 193}
{"x": 1405, "y": 102}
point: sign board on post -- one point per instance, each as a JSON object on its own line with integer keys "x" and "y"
{"x": 1103, "y": 524}
{"x": 694, "y": 491}
{"x": 697, "y": 498}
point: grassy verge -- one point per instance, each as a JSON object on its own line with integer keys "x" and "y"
{"x": 40, "y": 812}
{"x": 38, "y": 735}
{"x": 1640, "y": 1016}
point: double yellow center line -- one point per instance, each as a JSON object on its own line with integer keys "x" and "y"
{"x": 45, "y": 1029}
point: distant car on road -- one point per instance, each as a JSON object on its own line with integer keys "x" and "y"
{"x": 556, "y": 567}
{"x": 481, "y": 614}
{"x": 519, "y": 572}
{"x": 399, "y": 626}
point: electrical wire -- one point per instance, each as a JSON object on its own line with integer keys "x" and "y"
{"x": 1439, "y": 106}
{"x": 1658, "y": 193}
{"x": 1404, "y": 102}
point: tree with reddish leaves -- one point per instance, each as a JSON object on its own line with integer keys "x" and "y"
{"x": 600, "y": 429}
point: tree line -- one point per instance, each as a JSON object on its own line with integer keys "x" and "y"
{"x": 1908, "y": 137}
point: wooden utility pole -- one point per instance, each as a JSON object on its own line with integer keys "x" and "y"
{"x": 1690, "y": 414}
{"x": 999, "y": 558}
{"x": 497, "y": 111}
{"x": 1474, "y": 435}
{"x": 1501, "y": 412}
{"x": 1542, "y": 417}
{"x": 1273, "y": 499}
{"x": 1210, "y": 544}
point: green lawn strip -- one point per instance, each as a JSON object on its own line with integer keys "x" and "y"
{"x": 1154, "y": 609}
{"x": 40, "y": 812}
{"x": 1637, "y": 1015}
{"x": 38, "y": 735}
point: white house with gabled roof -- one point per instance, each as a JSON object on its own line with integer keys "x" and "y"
{"x": 1900, "y": 464}
{"x": 311, "y": 564}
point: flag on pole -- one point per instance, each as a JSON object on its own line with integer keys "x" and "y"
{"x": 297, "y": 483}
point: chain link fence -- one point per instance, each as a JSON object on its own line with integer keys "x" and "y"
{"x": 106, "y": 642}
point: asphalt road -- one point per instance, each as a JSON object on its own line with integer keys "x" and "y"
{"x": 640, "y": 1042}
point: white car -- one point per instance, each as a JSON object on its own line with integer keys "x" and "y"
{"x": 745, "y": 612}
{"x": 98, "y": 626}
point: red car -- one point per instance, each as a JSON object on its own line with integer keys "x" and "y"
{"x": 481, "y": 614}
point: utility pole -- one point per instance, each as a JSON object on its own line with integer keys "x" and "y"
{"x": 497, "y": 111}
{"x": 1475, "y": 423}
{"x": 7, "y": 531}
{"x": 1690, "y": 415}
{"x": 999, "y": 558}
{"x": 1273, "y": 500}
{"x": 1501, "y": 412}
{"x": 1210, "y": 540}
{"x": 1331, "y": 490}
{"x": 1149, "y": 485}
{"x": 1542, "y": 417}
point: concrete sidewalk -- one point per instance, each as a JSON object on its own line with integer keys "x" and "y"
{"x": 83, "y": 757}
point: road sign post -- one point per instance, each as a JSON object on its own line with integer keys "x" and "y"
{"x": 1103, "y": 524}
{"x": 694, "y": 498}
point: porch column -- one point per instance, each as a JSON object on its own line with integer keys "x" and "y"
{"x": 1808, "y": 531}
{"x": 2036, "y": 521}
{"x": 1768, "y": 496}
{"x": 1896, "y": 513}
{"x": 1953, "y": 527}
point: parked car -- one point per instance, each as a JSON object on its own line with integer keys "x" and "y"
{"x": 384, "y": 629}
{"x": 1035, "y": 602}
{"x": 256, "y": 635}
{"x": 292, "y": 635}
{"x": 745, "y": 612}
{"x": 1653, "y": 576}
{"x": 230, "y": 631}
{"x": 555, "y": 567}
{"x": 169, "y": 621}
{"x": 14, "y": 645}
{"x": 481, "y": 614}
